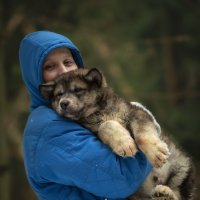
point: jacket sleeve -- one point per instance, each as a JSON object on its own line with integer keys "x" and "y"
{"x": 73, "y": 156}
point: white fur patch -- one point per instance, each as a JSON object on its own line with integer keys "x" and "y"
{"x": 137, "y": 104}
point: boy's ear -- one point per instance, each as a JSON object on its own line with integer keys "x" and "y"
{"x": 94, "y": 76}
{"x": 46, "y": 89}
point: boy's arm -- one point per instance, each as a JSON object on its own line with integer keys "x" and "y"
{"x": 76, "y": 157}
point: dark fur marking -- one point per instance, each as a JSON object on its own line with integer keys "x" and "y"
{"x": 102, "y": 105}
{"x": 187, "y": 187}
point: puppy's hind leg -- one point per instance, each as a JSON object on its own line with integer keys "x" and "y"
{"x": 117, "y": 138}
{"x": 162, "y": 192}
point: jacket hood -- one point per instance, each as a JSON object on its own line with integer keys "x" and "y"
{"x": 33, "y": 50}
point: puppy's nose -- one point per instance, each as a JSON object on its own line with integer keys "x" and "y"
{"x": 64, "y": 104}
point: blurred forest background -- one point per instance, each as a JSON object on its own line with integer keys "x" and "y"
{"x": 149, "y": 50}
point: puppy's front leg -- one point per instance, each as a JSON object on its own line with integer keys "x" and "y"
{"x": 148, "y": 141}
{"x": 113, "y": 134}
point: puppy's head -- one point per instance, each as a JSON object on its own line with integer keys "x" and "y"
{"x": 75, "y": 95}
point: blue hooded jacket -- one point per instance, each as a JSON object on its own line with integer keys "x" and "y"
{"x": 63, "y": 160}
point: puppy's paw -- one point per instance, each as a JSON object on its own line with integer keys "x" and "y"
{"x": 158, "y": 154}
{"x": 155, "y": 150}
{"x": 117, "y": 138}
{"x": 162, "y": 192}
{"x": 124, "y": 146}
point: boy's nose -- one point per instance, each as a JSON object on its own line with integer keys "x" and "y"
{"x": 63, "y": 69}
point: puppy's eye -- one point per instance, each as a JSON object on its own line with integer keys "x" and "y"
{"x": 59, "y": 94}
{"x": 79, "y": 90}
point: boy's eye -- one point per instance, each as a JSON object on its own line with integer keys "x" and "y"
{"x": 68, "y": 62}
{"x": 48, "y": 67}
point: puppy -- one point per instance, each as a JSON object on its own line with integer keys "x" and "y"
{"x": 84, "y": 96}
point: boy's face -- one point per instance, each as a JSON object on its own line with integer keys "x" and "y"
{"x": 58, "y": 62}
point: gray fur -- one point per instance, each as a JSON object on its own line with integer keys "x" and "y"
{"x": 83, "y": 95}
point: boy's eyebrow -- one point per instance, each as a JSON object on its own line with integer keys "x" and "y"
{"x": 68, "y": 56}
{"x": 46, "y": 62}
{"x": 48, "y": 59}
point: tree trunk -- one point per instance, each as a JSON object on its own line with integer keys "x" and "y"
{"x": 7, "y": 25}
{"x": 4, "y": 149}
{"x": 170, "y": 68}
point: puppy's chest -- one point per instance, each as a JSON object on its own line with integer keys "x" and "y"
{"x": 116, "y": 116}
{"x": 94, "y": 121}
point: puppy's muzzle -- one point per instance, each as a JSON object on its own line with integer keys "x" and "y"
{"x": 64, "y": 105}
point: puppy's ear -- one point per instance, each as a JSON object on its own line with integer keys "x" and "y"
{"x": 46, "y": 89}
{"x": 94, "y": 76}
